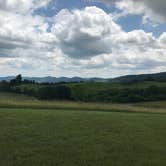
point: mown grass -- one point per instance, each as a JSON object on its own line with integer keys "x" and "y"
{"x": 56, "y": 133}
{"x": 35, "y": 137}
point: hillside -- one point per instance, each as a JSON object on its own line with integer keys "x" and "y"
{"x": 160, "y": 77}
{"x": 127, "y": 89}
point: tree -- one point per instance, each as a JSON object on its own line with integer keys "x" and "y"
{"x": 16, "y": 80}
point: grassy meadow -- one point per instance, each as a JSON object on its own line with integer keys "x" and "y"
{"x": 56, "y": 133}
{"x": 11, "y": 100}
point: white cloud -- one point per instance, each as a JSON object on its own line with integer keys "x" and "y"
{"x": 85, "y": 42}
{"x": 93, "y": 36}
{"x": 84, "y": 33}
{"x": 136, "y": 38}
{"x": 162, "y": 40}
{"x": 22, "y": 6}
{"x": 24, "y": 31}
{"x": 152, "y": 10}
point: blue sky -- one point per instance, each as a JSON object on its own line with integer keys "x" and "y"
{"x": 56, "y": 5}
{"x": 128, "y": 23}
{"x": 88, "y": 38}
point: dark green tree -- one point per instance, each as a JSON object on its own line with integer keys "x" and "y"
{"x": 17, "y": 80}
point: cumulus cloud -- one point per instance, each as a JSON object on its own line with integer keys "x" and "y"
{"x": 92, "y": 36}
{"x": 135, "y": 38}
{"x": 83, "y": 41}
{"x": 152, "y": 10}
{"x": 23, "y": 31}
{"x": 25, "y": 42}
{"x": 84, "y": 33}
{"x": 18, "y": 30}
{"x": 22, "y": 6}
{"x": 162, "y": 40}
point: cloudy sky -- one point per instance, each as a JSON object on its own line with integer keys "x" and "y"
{"x": 88, "y": 38}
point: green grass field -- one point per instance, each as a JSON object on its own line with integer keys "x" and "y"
{"x": 52, "y": 133}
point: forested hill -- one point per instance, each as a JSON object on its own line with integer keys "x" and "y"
{"x": 138, "y": 90}
{"x": 159, "y": 77}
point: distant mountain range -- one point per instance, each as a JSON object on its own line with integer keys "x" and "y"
{"x": 161, "y": 77}
{"x": 50, "y": 79}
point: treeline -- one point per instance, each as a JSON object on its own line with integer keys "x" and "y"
{"x": 43, "y": 91}
{"x": 47, "y": 92}
{"x": 87, "y": 92}
{"x": 129, "y": 95}
{"x": 7, "y": 86}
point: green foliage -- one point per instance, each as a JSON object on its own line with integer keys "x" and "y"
{"x": 17, "y": 80}
{"x": 60, "y": 92}
{"x": 89, "y": 91}
{"x": 5, "y": 86}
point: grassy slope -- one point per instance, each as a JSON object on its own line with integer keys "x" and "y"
{"x": 78, "y": 138}
{"x": 8, "y": 100}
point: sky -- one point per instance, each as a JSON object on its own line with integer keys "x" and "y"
{"x": 86, "y": 38}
